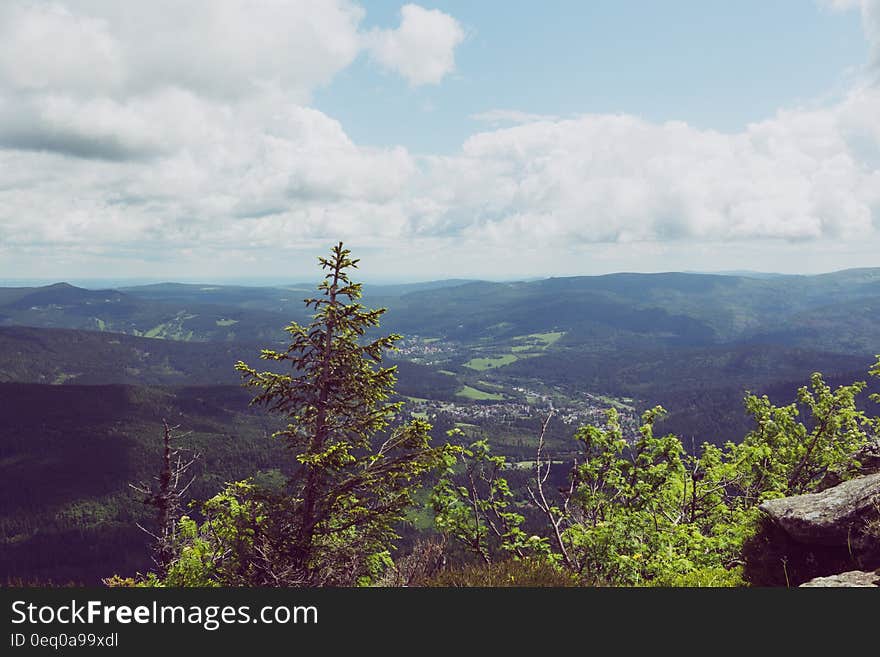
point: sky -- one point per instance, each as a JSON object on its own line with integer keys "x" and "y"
{"x": 220, "y": 140}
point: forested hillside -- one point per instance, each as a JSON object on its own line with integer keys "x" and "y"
{"x": 87, "y": 376}
{"x": 69, "y": 453}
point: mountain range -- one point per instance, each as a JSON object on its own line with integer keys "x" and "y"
{"x": 86, "y": 376}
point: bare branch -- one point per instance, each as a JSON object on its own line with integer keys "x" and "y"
{"x": 540, "y": 499}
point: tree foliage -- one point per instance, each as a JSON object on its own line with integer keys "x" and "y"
{"x": 479, "y": 512}
{"x": 356, "y": 471}
{"x": 641, "y": 509}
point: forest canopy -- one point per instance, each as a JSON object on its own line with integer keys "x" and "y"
{"x": 626, "y": 510}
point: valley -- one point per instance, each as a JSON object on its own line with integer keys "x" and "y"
{"x": 87, "y": 376}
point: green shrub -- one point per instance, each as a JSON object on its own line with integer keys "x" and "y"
{"x": 710, "y": 576}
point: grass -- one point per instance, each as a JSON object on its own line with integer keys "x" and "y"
{"x": 170, "y": 331}
{"x": 156, "y": 331}
{"x": 540, "y": 340}
{"x": 478, "y": 395}
{"x": 614, "y": 402}
{"x": 491, "y": 362}
{"x": 549, "y": 338}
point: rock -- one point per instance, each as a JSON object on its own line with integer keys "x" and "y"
{"x": 772, "y": 558}
{"x": 817, "y": 535}
{"x": 859, "y": 578}
{"x": 836, "y": 516}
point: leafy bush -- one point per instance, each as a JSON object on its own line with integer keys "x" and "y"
{"x": 708, "y": 577}
{"x": 643, "y": 511}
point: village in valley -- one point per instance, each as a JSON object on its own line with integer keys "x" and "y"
{"x": 485, "y": 397}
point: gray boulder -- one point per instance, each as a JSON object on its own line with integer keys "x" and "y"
{"x": 858, "y": 578}
{"x": 833, "y": 517}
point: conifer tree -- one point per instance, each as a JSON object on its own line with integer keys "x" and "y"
{"x": 355, "y": 474}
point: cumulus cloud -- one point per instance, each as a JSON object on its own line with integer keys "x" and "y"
{"x": 153, "y": 124}
{"x": 422, "y": 48}
{"x": 103, "y": 79}
{"x": 496, "y": 117}
{"x": 150, "y": 138}
{"x": 269, "y": 171}
{"x": 47, "y": 47}
{"x": 803, "y": 174}
{"x": 221, "y": 48}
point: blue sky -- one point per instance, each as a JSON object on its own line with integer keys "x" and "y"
{"x": 711, "y": 63}
{"x": 225, "y": 139}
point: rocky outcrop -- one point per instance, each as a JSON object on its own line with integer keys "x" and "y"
{"x": 833, "y": 517}
{"x": 817, "y": 535}
{"x": 859, "y": 578}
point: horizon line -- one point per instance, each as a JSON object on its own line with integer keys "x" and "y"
{"x": 267, "y": 281}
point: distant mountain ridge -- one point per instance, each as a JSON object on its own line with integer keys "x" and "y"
{"x": 663, "y": 307}
{"x": 66, "y": 306}
{"x": 706, "y": 308}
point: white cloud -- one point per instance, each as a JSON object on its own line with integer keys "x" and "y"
{"x": 47, "y": 47}
{"x": 149, "y": 140}
{"x": 221, "y": 48}
{"x": 148, "y": 125}
{"x": 94, "y": 77}
{"x": 802, "y": 175}
{"x": 274, "y": 175}
{"x": 497, "y": 117}
{"x": 422, "y": 49}
{"x": 229, "y": 177}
